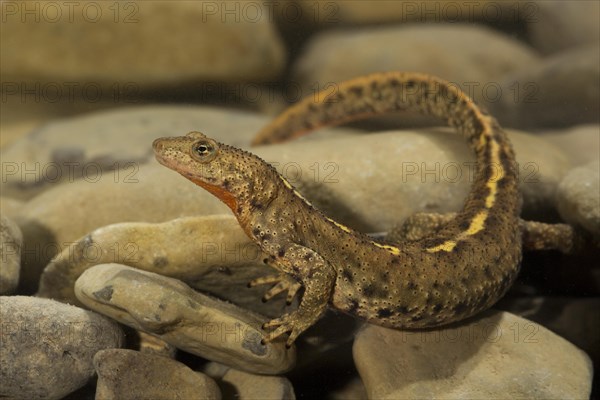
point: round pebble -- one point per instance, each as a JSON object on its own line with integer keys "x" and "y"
{"x": 47, "y": 347}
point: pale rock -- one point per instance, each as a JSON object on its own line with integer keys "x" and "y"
{"x": 188, "y": 320}
{"x": 579, "y": 197}
{"x": 47, "y": 347}
{"x": 10, "y": 207}
{"x": 14, "y": 130}
{"x": 11, "y": 241}
{"x": 483, "y": 357}
{"x": 245, "y": 386}
{"x": 579, "y": 143}
{"x": 128, "y": 374}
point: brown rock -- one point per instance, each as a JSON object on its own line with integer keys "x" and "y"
{"x": 105, "y": 44}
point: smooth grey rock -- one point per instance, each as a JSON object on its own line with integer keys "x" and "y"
{"x": 579, "y": 197}
{"x": 579, "y": 143}
{"x": 244, "y": 386}
{"x": 563, "y": 90}
{"x": 451, "y": 51}
{"x": 557, "y": 25}
{"x": 483, "y": 357}
{"x": 11, "y": 240}
{"x": 128, "y": 374}
{"x": 80, "y": 148}
{"x": 47, "y": 347}
{"x": 188, "y": 320}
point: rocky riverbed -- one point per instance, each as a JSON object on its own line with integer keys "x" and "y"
{"x": 120, "y": 279}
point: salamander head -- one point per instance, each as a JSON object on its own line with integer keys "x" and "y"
{"x": 231, "y": 174}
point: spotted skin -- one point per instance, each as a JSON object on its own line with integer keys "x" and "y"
{"x": 459, "y": 269}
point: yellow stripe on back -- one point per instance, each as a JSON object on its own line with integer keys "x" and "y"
{"x": 394, "y": 250}
{"x": 391, "y": 249}
{"x": 477, "y": 223}
{"x": 289, "y": 186}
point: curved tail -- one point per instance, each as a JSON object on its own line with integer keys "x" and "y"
{"x": 494, "y": 200}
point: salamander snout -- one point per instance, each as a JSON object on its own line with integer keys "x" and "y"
{"x": 158, "y": 144}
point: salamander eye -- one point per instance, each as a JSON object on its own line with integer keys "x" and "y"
{"x": 204, "y": 150}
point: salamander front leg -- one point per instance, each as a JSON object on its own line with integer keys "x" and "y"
{"x": 318, "y": 278}
{"x": 281, "y": 283}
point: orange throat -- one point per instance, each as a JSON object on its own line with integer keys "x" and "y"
{"x": 222, "y": 194}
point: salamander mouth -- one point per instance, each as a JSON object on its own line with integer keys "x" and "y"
{"x": 165, "y": 161}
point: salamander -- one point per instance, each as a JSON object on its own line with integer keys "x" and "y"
{"x": 453, "y": 272}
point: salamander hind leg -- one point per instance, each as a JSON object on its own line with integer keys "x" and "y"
{"x": 417, "y": 226}
{"x": 561, "y": 237}
{"x": 318, "y": 278}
